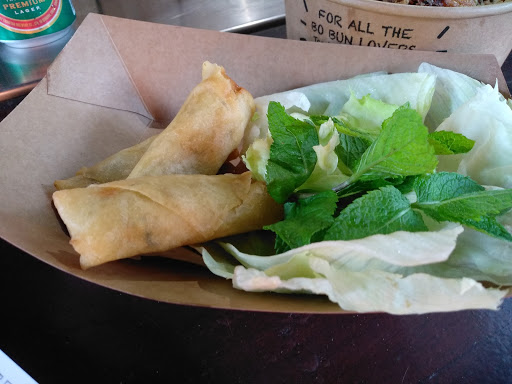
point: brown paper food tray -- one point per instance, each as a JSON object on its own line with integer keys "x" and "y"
{"x": 111, "y": 85}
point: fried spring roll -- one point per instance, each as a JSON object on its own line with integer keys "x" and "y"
{"x": 208, "y": 127}
{"x": 150, "y": 214}
{"x": 115, "y": 167}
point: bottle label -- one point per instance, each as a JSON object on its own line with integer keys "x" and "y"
{"x": 25, "y": 19}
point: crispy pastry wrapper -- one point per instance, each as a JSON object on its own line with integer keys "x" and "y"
{"x": 115, "y": 167}
{"x": 208, "y": 127}
{"x": 152, "y": 214}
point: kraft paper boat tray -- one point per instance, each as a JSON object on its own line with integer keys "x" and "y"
{"x": 118, "y": 81}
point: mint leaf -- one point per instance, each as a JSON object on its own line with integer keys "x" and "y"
{"x": 401, "y": 149}
{"x": 449, "y": 196}
{"x": 381, "y": 211}
{"x": 490, "y": 226}
{"x": 443, "y": 185}
{"x": 303, "y": 220}
{"x": 292, "y": 158}
{"x": 350, "y": 149}
{"x": 449, "y": 193}
{"x": 450, "y": 143}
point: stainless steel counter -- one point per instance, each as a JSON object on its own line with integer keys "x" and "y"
{"x": 221, "y": 15}
{"x": 21, "y": 69}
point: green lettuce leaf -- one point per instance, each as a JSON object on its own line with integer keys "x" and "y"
{"x": 256, "y": 157}
{"x": 487, "y": 119}
{"x": 397, "y": 88}
{"x": 327, "y": 173}
{"x": 375, "y": 290}
{"x": 387, "y": 252}
{"x": 366, "y": 114}
{"x": 452, "y": 89}
{"x": 361, "y": 275}
{"x": 344, "y": 126}
{"x": 478, "y": 256}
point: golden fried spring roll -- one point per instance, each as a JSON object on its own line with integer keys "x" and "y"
{"x": 208, "y": 127}
{"x": 151, "y": 214}
{"x": 115, "y": 167}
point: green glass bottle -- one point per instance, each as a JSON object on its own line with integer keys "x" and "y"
{"x": 34, "y": 22}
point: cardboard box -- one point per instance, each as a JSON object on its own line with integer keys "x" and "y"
{"x": 117, "y": 82}
{"x": 372, "y": 23}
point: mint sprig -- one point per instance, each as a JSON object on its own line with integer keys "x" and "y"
{"x": 380, "y": 211}
{"x": 450, "y": 143}
{"x": 401, "y": 149}
{"x": 292, "y": 157}
{"x": 317, "y": 211}
{"x": 447, "y": 196}
{"x": 379, "y": 170}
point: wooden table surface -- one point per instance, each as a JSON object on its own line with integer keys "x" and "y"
{"x": 61, "y": 329}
